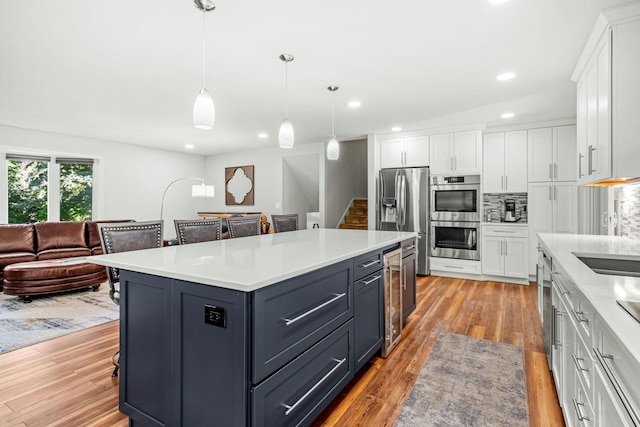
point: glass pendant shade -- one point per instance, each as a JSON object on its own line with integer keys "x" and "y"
{"x": 204, "y": 113}
{"x": 333, "y": 149}
{"x": 285, "y": 137}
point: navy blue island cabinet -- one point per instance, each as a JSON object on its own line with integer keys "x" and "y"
{"x": 201, "y": 355}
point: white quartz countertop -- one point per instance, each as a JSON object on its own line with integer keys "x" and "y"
{"x": 601, "y": 290}
{"x": 250, "y": 263}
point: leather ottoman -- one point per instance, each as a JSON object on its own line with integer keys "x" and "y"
{"x": 26, "y": 279}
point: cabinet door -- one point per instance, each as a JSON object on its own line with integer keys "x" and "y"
{"x": 540, "y": 214}
{"x": 540, "y": 154}
{"x": 492, "y": 256}
{"x": 391, "y": 153}
{"x": 409, "y": 287}
{"x": 601, "y": 156}
{"x": 416, "y": 151}
{"x": 516, "y": 257}
{"x": 440, "y": 153}
{"x": 581, "y": 130}
{"x": 565, "y": 207}
{"x": 564, "y": 153}
{"x": 493, "y": 163}
{"x": 467, "y": 152}
{"x": 557, "y": 325}
{"x": 367, "y": 317}
{"x": 591, "y": 80}
{"x": 515, "y": 162}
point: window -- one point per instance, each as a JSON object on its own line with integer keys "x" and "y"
{"x": 43, "y": 188}
{"x": 76, "y": 189}
{"x": 28, "y": 189}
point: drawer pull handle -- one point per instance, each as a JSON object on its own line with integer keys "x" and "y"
{"x": 577, "y": 361}
{"x": 313, "y": 310}
{"x": 290, "y": 408}
{"x": 613, "y": 379}
{"x": 373, "y": 279}
{"x": 577, "y": 406}
{"x": 369, "y": 264}
{"x": 408, "y": 248}
{"x": 579, "y": 316}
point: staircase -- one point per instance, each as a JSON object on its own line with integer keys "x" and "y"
{"x": 356, "y": 219}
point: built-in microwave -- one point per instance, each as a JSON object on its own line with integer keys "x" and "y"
{"x": 455, "y": 198}
{"x": 455, "y": 240}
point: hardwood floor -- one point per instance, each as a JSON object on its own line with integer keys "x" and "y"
{"x": 67, "y": 381}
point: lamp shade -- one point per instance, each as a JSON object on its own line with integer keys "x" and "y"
{"x": 285, "y": 137}
{"x": 201, "y": 190}
{"x": 204, "y": 113}
{"x": 333, "y": 149}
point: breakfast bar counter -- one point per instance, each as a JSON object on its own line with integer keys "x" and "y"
{"x": 255, "y": 331}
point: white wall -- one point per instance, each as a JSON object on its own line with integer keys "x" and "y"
{"x": 346, "y": 179}
{"x": 268, "y": 177}
{"x": 301, "y": 185}
{"x": 130, "y": 179}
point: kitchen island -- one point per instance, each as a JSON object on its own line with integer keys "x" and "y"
{"x": 261, "y": 331}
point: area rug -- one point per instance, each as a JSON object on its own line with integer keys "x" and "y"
{"x": 48, "y": 317}
{"x": 468, "y": 382}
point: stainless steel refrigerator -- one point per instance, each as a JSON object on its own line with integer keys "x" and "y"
{"x": 403, "y": 205}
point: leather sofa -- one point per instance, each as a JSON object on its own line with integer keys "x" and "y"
{"x": 35, "y": 258}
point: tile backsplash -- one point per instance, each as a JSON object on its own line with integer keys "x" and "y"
{"x": 492, "y": 204}
{"x": 628, "y": 197}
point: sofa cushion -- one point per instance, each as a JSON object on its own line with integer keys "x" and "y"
{"x": 63, "y": 253}
{"x": 55, "y": 235}
{"x": 17, "y": 238}
{"x": 14, "y": 257}
{"x": 51, "y": 270}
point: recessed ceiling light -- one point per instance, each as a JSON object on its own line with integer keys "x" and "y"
{"x": 188, "y": 146}
{"x": 354, "y": 104}
{"x": 507, "y": 115}
{"x": 263, "y": 135}
{"x": 396, "y": 129}
{"x": 505, "y": 76}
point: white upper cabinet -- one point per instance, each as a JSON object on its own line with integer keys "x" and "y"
{"x": 458, "y": 152}
{"x": 505, "y": 162}
{"x": 608, "y": 98}
{"x": 404, "y": 152}
{"x": 552, "y": 154}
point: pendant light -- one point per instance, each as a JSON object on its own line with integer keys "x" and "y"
{"x": 333, "y": 149}
{"x": 285, "y": 136}
{"x": 204, "y": 113}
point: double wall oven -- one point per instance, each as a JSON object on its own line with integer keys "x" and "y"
{"x": 455, "y": 216}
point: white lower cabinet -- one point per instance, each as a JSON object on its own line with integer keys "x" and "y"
{"x": 596, "y": 376}
{"x": 505, "y": 251}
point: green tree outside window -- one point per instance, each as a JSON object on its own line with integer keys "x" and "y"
{"x": 28, "y": 190}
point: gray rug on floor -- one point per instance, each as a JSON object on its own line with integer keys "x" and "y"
{"x": 468, "y": 382}
{"x": 48, "y": 317}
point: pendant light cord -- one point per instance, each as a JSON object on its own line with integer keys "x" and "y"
{"x": 286, "y": 89}
{"x": 204, "y": 17}
{"x": 333, "y": 113}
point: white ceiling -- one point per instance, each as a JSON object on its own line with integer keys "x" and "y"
{"x": 129, "y": 70}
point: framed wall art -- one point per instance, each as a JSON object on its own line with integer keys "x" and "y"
{"x": 239, "y": 185}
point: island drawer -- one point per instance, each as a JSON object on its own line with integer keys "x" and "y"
{"x": 293, "y": 315}
{"x": 297, "y": 393}
{"x": 367, "y": 264}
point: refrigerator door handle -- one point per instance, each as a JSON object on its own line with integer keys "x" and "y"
{"x": 380, "y": 199}
{"x": 397, "y": 198}
{"x": 403, "y": 199}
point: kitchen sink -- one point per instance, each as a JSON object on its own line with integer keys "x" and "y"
{"x": 617, "y": 265}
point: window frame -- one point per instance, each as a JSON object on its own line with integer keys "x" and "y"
{"x": 53, "y": 199}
